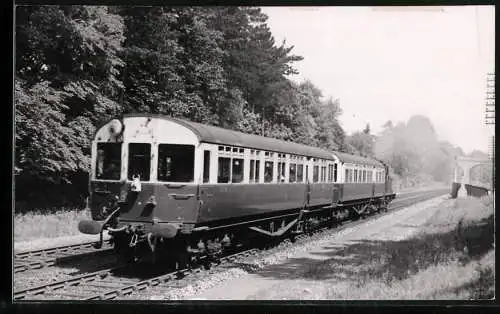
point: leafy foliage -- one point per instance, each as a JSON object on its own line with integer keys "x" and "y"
{"x": 67, "y": 81}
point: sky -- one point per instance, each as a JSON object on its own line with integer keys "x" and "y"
{"x": 389, "y": 63}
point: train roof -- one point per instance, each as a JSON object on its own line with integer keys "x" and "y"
{"x": 218, "y": 135}
{"x": 355, "y": 159}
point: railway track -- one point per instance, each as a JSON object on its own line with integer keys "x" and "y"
{"x": 50, "y": 257}
{"x": 118, "y": 281}
{"x": 110, "y": 283}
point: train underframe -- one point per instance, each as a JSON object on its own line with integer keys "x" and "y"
{"x": 133, "y": 242}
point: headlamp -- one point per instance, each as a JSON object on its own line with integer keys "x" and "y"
{"x": 115, "y": 127}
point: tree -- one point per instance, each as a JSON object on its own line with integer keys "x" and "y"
{"x": 66, "y": 81}
{"x": 414, "y": 152}
{"x": 362, "y": 143}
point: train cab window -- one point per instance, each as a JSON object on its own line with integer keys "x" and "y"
{"x": 108, "y": 161}
{"x": 268, "y": 171}
{"x": 315, "y": 173}
{"x": 176, "y": 163}
{"x": 300, "y": 173}
{"x": 292, "y": 172}
{"x": 335, "y": 172}
{"x": 206, "y": 166}
{"x": 224, "y": 170}
{"x": 237, "y": 173}
{"x": 139, "y": 161}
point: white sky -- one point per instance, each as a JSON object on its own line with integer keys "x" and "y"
{"x": 391, "y": 63}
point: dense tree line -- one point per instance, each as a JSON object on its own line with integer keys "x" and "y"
{"x": 77, "y": 66}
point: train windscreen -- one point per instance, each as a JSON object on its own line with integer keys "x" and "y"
{"x": 108, "y": 161}
{"x": 139, "y": 161}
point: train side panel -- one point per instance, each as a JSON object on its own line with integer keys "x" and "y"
{"x": 379, "y": 189}
{"x": 321, "y": 194}
{"x": 238, "y": 200}
{"x": 354, "y": 191}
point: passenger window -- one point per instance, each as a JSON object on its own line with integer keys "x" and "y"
{"x": 346, "y": 179}
{"x": 237, "y": 175}
{"x": 257, "y": 170}
{"x": 108, "y": 161}
{"x": 315, "y": 173}
{"x": 206, "y": 166}
{"x": 355, "y": 175}
{"x": 292, "y": 173}
{"x": 268, "y": 171}
{"x": 300, "y": 173}
{"x": 335, "y": 172}
{"x": 364, "y": 176}
{"x": 350, "y": 175}
{"x": 323, "y": 174}
{"x": 252, "y": 171}
{"x": 281, "y": 172}
{"x": 176, "y": 163}
{"x": 139, "y": 161}
{"x": 224, "y": 169}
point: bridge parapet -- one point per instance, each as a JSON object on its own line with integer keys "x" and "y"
{"x": 475, "y": 174}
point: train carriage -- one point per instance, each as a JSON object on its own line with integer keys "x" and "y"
{"x": 187, "y": 184}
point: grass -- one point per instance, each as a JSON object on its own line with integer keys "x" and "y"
{"x": 35, "y": 225}
{"x": 450, "y": 257}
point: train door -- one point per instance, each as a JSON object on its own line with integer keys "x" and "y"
{"x": 308, "y": 186}
{"x": 177, "y": 190}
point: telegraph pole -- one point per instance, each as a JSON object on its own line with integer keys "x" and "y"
{"x": 490, "y": 120}
{"x": 490, "y": 99}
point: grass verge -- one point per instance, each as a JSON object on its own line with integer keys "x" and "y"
{"x": 35, "y": 225}
{"x": 450, "y": 257}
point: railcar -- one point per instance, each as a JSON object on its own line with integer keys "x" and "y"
{"x": 170, "y": 188}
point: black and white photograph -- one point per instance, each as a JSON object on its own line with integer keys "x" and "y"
{"x": 192, "y": 153}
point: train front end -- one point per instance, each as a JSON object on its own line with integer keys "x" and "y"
{"x": 142, "y": 188}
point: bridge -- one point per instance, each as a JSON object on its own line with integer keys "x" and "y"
{"x": 476, "y": 175}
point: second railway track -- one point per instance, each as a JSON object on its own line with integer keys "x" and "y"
{"x": 38, "y": 259}
{"x": 114, "y": 282}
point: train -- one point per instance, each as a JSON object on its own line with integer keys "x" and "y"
{"x": 172, "y": 189}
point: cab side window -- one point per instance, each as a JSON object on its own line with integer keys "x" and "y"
{"x": 176, "y": 163}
